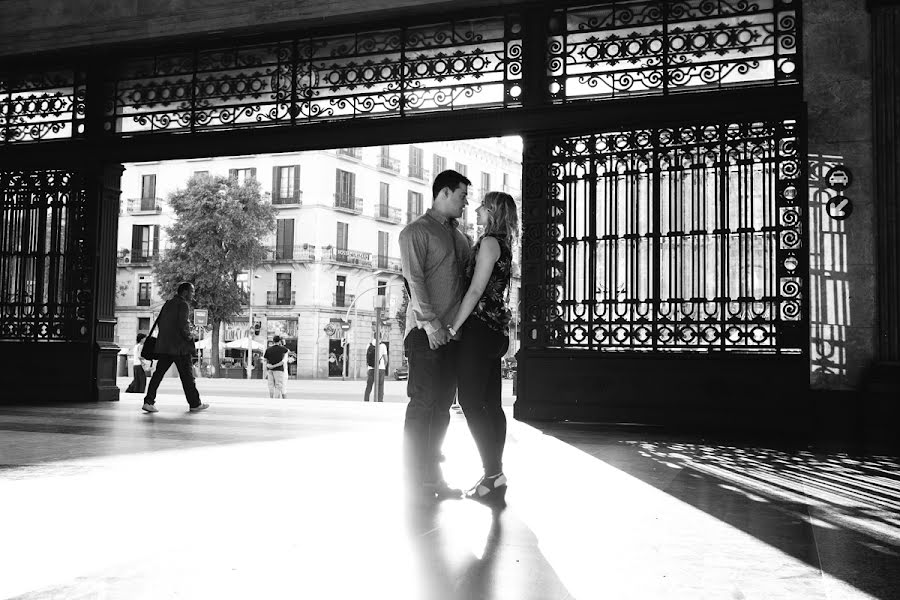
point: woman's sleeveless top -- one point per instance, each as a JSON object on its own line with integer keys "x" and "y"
{"x": 491, "y": 307}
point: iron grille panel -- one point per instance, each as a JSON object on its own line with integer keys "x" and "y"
{"x": 42, "y": 106}
{"x": 394, "y": 72}
{"x": 620, "y": 49}
{"x": 669, "y": 239}
{"x": 46, "y": 264}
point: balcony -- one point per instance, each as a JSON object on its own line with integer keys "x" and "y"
{"x": 348, "y": 203}
{"x": 347, "y": 257}
{"x": 350, "y": 153}
{"x": 295, "y": 200}
{"x": 389, "y": 164}
{"x": 412, "y": 216}
{"x": 273, "y": 298}
{"x": 389, "y": 263}
{"x": 143, "y": 302}
{"x": 419, "y": 173}
{"x": 291, "y": 253}
{"x": 126, "y": 258}
{"x": 144, "y": 206}
{"x": 342, "y": 300}
{"x": 388, "y": 214}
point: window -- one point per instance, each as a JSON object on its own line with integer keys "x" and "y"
{"x": 284, "y": 239}
{"x": 382, "y": 288}
{"x": 144, "y": 242}
{"x": 345, "y": 189}
{"x": 242, "y": 175}
{"x": 143, "y": 324}
{"x": 386, "y": 162}
{"x": 283, "y": 288}
{"x": 243, "y": 283}
{"x": 148, "y": 192}
{"x": 413, "y": 206}
{"x": 485, "y": 183}
{"x": 462, "y": 169}
{"x": 286, "y": 185}
{"x": 416, "y": 158}
{"x": 143, "y": 298}
{"x": 440, "y": 164}
{"x": 343, "y": 232}
{"x": 383, "y": 242}
{"x": 201, "y": 173}
{"x": 340, "y": 288}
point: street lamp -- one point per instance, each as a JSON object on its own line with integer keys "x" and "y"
{"x": 250, "y": 278}
{"x": 378, "y": 322}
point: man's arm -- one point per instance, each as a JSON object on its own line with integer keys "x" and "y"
{"x": 184, "y": 327}
{"x": 413, "y": 249}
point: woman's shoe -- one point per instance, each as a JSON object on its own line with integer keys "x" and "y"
{"x": 489, "y": 490}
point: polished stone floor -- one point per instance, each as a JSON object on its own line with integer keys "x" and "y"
{"x": 302, "y": 499}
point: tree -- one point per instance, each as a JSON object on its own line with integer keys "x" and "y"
{"x": 404, "y": 306}
{"x": 218, "y": 232}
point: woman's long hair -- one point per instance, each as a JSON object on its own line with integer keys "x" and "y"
{"x": 503, "y": 218}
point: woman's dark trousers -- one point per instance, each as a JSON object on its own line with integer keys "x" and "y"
{"x": 478, "y": 359}
{"x": 139, "y": 383}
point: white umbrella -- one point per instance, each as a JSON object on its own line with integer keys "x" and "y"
{"x": 242, "y": 344}
{"x": 206, "y": 344}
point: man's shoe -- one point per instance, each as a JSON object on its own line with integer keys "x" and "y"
{"x": 442, "y": 491}
{"x": 150, "y": 408}
{"x": 199, "y": 407}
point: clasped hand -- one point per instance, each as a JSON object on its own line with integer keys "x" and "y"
{"x": 438, "y": 338}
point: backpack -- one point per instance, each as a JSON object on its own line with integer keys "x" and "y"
{"x": 370, "y": 356}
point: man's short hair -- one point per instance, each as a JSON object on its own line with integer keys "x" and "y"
{"x": 276, "y": 338}
{"x": 141, "y": 336}
{"x": 448, "y": 179}
{"x": 183, "y": 286}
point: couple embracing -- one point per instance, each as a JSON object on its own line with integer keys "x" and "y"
{"x": 456, "y": 333}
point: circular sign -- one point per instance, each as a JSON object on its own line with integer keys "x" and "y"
{"x": 839, "y": 208}
{"x": 839, "y": 177}
{"x": 330, "y": 329}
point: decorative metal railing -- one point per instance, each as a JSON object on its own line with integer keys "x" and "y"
{"x": 391, "y": 164}
{"x": 348, "y": 203}
{"x": 419, "y": 173}
{"x": 349, "y": 257}
{"x": 389, "y": 263}
{"x": 659, "y": 47}
{"x": 273, "y": 298}
{"x": 295, "y": 199}
{"x": 388, "y": 213}
{"x": 342, "y": 300}
{"x": 144, "y": 205}
{"x": 282, "y": 252}
{"x": 350, "y": 152}
{"x": 42, "y": 106}
{"x": 682, "y": 238}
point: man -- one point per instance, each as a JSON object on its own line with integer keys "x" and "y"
{"x": 276, "y": 367}
{"x": 434, "y": 255}
{"x": 372, "y": 371}
{"x": 175, "y": 345}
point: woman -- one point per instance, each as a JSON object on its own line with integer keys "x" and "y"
{"x": 141, "y": 366}
{"x": 483, "y": 318}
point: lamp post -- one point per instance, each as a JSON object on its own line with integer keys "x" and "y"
{"x": 249, "y": 317}
{"x": 378, "y": 321}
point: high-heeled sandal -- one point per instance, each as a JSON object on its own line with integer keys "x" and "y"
{"x": 489, "y": 490}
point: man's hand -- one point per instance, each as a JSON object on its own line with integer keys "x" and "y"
{"x": 438, "y": 338}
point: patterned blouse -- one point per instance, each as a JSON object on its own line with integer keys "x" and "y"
{"x": 491, "y": 307}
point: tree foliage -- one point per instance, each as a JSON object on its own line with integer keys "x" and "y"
{"x": 218, "y": 233}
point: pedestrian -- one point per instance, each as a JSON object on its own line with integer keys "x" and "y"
{"x": 483, "y": 320}
{"x": 372, "y": 371}
{"x": 435, "y": 256}
{"x": 175, "y": 345}
{"x": 275, "y": 360}
{"x": 141, "y": 366}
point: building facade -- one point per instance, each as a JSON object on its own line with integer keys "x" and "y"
{"x": 334, "y": 251}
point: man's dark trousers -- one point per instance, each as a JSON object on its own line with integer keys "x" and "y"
{"x": 183, "y": 363}
{"x": 370, "y": 382}
{"x": 431, "y": 389}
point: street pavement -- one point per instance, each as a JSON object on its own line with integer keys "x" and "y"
{"x": 302, "y": 389}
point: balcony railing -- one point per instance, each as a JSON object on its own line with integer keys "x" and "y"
{"x": 273, "y": 298}
{"x": 144, "y": 206}
{"x": 419, "y": 173}
{"x": 347, "y": 257}
{"x": 342, "y": 300}
{"x": 135, "y": 259}
{"x": 348, "y": 203}
{"x": 388, "y": 213}
{"x": 290, "y": 252}
{"x": 391, "y": 164}
{"x": 292, "y": 200}
{"x": 412, "y": 216}
{"x": 350, "y": 152}
{"x": 143, "y": 302}
{"x": 389, "y": 263}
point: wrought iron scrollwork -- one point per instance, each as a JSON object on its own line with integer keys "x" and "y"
{"x": 669, "y": 239}
{"x": 657, "y": 47}
{"x": 41, "y": 106}
{"x": 46, "y": 264}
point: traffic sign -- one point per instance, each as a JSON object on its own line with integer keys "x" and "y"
{"x": 330, "y": 329}
{"x": 839, "y": 208}
{"x": 839, "y": 178}
{"x": 201, "y": 317}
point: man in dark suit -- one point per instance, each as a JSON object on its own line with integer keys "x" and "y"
{"x": 175, "y": 344}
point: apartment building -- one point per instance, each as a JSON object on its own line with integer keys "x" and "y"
{"x": 335, "y": 248}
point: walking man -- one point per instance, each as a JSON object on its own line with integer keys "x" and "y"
{"x": 276, "y": 367}
{"x": 175, "y": 345}
{"x": 373, "y": 372}
{"x": 435, "y": 255}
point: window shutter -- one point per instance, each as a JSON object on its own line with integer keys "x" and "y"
{"x": 289, "y": 232}
{"x": 342, "y": 236}
{"x": 253, "y": 174}
{"x": 135, "y": 241}
{"x": 337, "y": 182}
{"x": 156, "y": 240}
{"x": 276, "y": 184}
{"x": 297, "y": 183}
{"x": 232, "y": 173}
